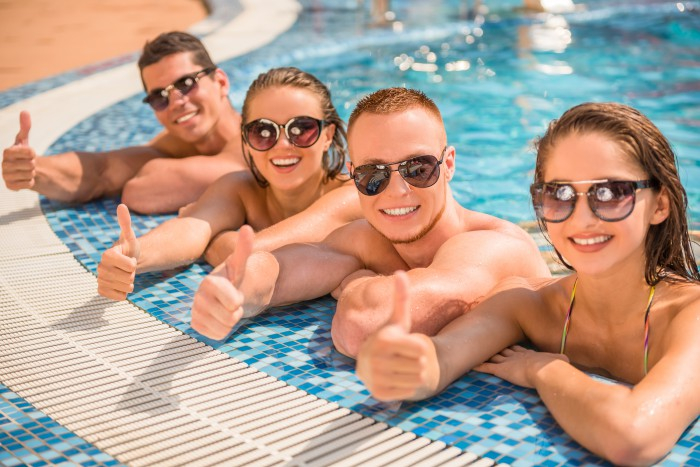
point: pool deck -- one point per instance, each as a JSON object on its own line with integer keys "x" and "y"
{"x": 111, "y": 384}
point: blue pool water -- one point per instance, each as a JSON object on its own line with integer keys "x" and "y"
{"x": 498, "y": 80}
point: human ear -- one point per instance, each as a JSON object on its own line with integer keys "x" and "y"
{"x": 449, "y": 162}
{"x": 663, "y": 207}
{"x": 329, "y": 133}
{"x": 221, "y": 77}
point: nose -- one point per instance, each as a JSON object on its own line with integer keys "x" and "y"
{"x": 582, "y": 210}
{"x": 282, "y": 140}
{"x": 397, "y": 185}
{"x": 174, "y": 95}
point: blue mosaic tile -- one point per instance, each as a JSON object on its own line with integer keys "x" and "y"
{"x": 479, "y": 412}
{"x": 29, "y": 437}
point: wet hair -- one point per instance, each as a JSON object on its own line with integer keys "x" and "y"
{"x": 393, "y": 100}
{"x": 668, "y": 247}
{"x": 334, "y": 158}
{"x": 169, "y": 43}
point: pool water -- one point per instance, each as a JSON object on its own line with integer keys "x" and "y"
{"x": 498, "y": 79}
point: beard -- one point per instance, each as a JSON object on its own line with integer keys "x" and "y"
{"x": 414, "y": 238}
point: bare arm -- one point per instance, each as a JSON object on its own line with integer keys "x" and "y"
{"x": 627, "y": 425}
{"x": 178, "y": 241}
{"x": 331, "y": 211}
{"x": 73, "y": 176}
{"x": 463, "y": 271}
{"x": 290, "y": 274}
{"x": 167, "y": 184}
{"x": 396, "y": 364}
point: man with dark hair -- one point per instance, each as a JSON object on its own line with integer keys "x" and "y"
{"x": 199, "y": 143}
{"x": 401, "y": 166}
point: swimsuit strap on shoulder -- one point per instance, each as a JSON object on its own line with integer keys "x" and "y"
{"x": 567, "y": 321}
{"x": 646, "y": 328}
{"x": 567, "y": 324}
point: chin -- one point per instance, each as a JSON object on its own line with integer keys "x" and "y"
{"x": 403, "y": 237}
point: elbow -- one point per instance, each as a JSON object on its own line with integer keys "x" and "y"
{"x": 349, "y": 329}
{"x": 143, "y": 201}
{"x": 213, "y": 257}
{"x": 635, "y": 444}
{"x": 132, "y": 197}
{"x": 629, "y": 452}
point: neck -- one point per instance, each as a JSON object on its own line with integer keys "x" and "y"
{"x": 226, "y": 129}
{"x": 420, "y": 253}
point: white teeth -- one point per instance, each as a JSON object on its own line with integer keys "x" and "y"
{"x": 184, "y": 118}
{"x": 285, "y": 162}
{"x": 399, "y": 211}
{"x": 591, "y": 241}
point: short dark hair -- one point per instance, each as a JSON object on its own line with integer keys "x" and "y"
{"x": 173, "y": 42}
{"x": 668, "y": 248}
{"x": 334, "y": 157}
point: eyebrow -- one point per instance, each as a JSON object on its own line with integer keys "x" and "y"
{"x": 375, "y": 161}
{"x": 187, "y": 75}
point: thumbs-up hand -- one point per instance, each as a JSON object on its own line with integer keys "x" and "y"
{"x": 117, "y": 269}
{"x": 393, "y": 363}
{"x": 218, "y": 303}
{"x": 19, "y": 160}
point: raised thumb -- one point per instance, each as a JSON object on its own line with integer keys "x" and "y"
{"x": 127, "y": 238}
{"x": 236, "y": 261}
{"x": 25, "y": 124}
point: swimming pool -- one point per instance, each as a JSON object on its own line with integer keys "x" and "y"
{"x": 498, "y": 81}
{"x": 490, "y": 86}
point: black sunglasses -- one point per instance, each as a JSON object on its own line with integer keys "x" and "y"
{"x": 262, "y": 134}
{"x": 420, "y": 171}
{"x": 159, "y": 98}
{"x": 610, "y": 200}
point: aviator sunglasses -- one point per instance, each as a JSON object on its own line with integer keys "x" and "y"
{"x": 262, "y": 134}
{"x": 160, "y": 98}
{"x": 420, "y": 171}
{"x": 610, "y": 200}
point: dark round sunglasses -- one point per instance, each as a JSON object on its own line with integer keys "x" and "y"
{"x": 160, "y": 98}
{"x": 420, "y": 171}
{"x": 610, "y": 200}
{"x": 262, "y": 134}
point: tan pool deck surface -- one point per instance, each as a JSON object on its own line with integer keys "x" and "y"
{"x": 41, "y": 38}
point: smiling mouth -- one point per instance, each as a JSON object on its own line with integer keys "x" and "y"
{"x": 399, "y": 211}
{"x": 185, "y": 117}
{"x": 286, "y": 162}
{"x": 592, "y": 240}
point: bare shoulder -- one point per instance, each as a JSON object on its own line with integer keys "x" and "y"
{"x": 478, "y": 222}
{"x": 494, "y": 245}
{"x": 342, "y": 192}
{"x": 675, "y": 321}
{"x": 229, "y": 193}
{"x": 679, "y": 301}
{"x": 543, "y": 286}
{"x": 172, "y": 146}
